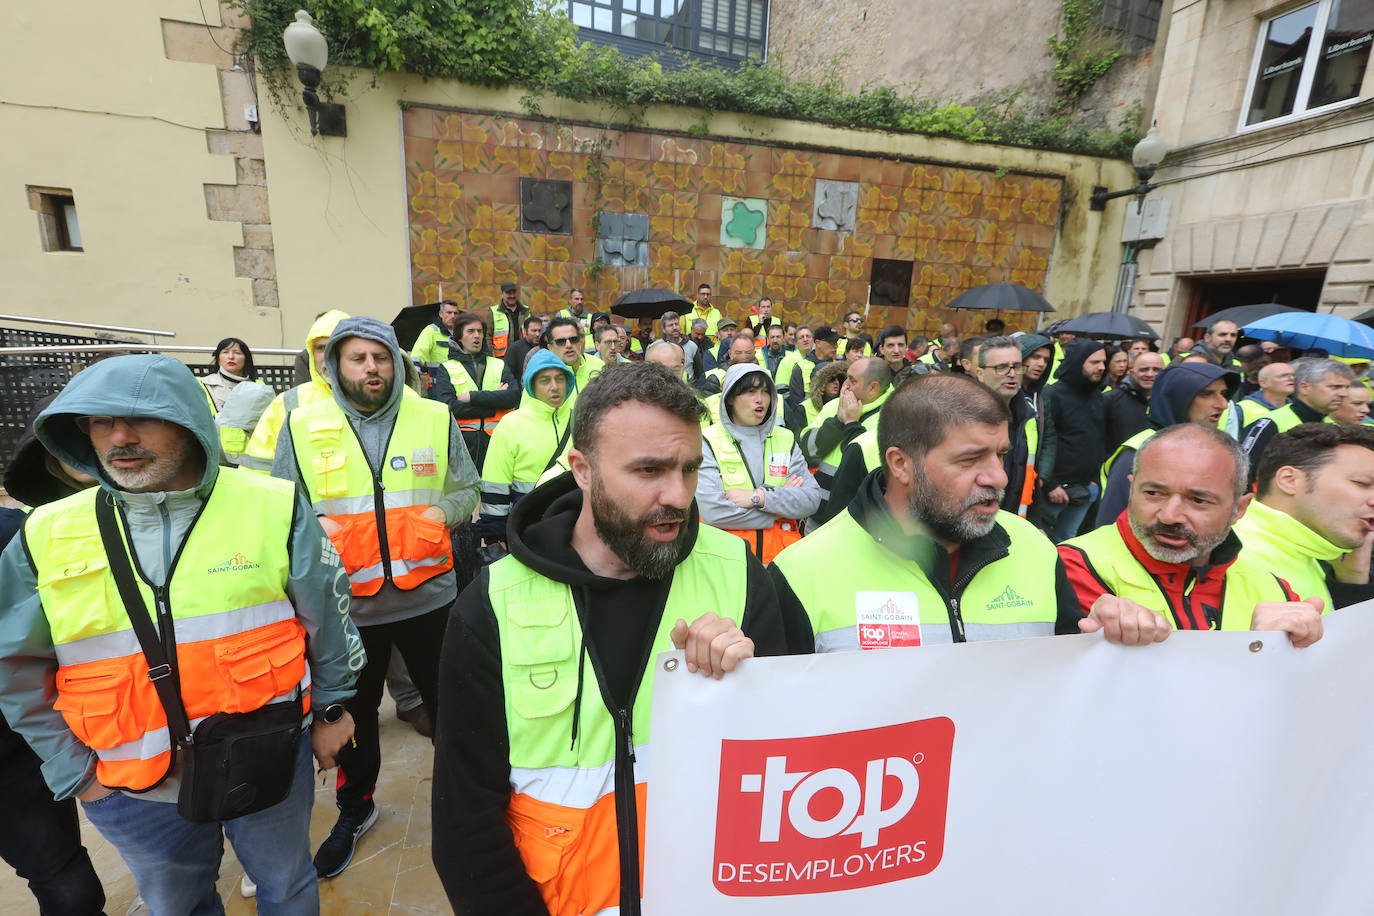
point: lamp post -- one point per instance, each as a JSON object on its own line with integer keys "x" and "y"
{"x": 308, "y": 50}
{"x": 1146, "y": 157}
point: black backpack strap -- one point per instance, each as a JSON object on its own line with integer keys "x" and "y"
{"x": 161, "y": 668}
{"x": 558, "y": 450}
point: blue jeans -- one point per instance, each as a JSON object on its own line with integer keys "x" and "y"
{"x": 176, "y": 863}
{"x": 1061, "y": 521}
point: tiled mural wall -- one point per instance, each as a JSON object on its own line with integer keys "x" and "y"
{"x": 552, "y": 206}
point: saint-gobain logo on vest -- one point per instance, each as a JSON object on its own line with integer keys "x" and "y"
{"x": 832, "y": 812}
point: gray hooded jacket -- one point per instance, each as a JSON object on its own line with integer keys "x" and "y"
{"x": 782, "y": 502}
{"x": 150, "y": 386}
{"x": 391, "y": 604}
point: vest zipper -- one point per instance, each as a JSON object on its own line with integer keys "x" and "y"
{"x": 627, "y": 814}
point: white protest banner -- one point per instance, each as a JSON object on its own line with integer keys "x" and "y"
{"x": 1215, "y": 773}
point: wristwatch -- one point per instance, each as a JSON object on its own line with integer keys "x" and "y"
{"x": 756, "y": 500}
{"x": 333, "y": 713}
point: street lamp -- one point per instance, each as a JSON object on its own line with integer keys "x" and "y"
{"x": 308, "y": 50}
{"x": 1146, "y": 157}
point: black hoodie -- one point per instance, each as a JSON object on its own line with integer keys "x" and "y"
{"x": 1123, "y": 410}
{"x": 1071, "y": 445}
{"x": 474, "y": 851}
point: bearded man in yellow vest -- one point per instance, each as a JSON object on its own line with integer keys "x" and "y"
{"x": 542, "y": 760}
{"x": 1312, "y": 521}
{"x": 1172, "y": 549}
{"x": 388, "y": 475}
{"x": 924, "y": 554}
{"x": 753, "y": 480}
{"x": 251, "y": 612}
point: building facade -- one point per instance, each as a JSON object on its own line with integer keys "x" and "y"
{"x": 1269, "y": 186}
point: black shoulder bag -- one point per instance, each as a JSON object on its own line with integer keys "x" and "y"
{"x": 232, "y": 763}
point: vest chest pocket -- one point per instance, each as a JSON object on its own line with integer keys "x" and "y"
{"x": 255, "y": 667}
{"x": 96, "y": 699}
{"x": 331, "y": 477}
{"x": 540, "y": 656}
{"x": 72, "y": 575}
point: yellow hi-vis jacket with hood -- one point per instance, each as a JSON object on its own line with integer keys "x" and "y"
{"x": 543, "y": 752}
{"x": 524, "y": 445}
{"x": 262, "y": 448}
{"x": 233, "y": 565}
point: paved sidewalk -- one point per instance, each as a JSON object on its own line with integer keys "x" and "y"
{"x": 391, "y": 872}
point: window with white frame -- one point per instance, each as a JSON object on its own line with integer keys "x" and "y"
{"x": 1308, "y": 59}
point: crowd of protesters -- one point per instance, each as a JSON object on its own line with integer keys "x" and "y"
{"x": 507, "y": 522}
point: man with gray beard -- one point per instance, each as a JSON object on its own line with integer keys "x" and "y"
{"x": 547, "y": 675}
{"x": 923, "y": 554}
{"x": 1173, "y": 553}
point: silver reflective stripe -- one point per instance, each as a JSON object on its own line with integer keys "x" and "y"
{"x": 254, "y": 463}
{"x": 123, "y": 643}
{"x": 398, "y": 568}
{"x": 494, "y": 509}
{"x": 845, "y": 639}
{"x": 827, "y": 468}
{"x": 573, "y": 787}
{"x": 1023, "y": 630}
{"x": 391, "y": 499}
{"x": 159, "y": 740}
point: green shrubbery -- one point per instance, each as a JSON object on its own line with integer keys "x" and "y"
{"x": 532, "y": 44}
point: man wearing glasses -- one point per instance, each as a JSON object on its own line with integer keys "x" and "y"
{"x": 565, "y": 342}
{"x": 1000, "y": 368}
{"x": 854, "y": 344}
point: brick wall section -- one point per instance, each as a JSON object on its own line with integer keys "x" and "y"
{"x": 244, "y": 202}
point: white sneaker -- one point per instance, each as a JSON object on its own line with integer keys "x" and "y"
{"x": 247, "y": 888}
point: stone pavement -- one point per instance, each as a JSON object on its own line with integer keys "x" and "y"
{"x": 391, "y": 872}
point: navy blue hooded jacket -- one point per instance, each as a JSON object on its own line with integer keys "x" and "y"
{"x": 1173, "y": 394}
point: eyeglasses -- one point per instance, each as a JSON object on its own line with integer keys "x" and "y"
{"x": 564, "y": 341}
{"x": 854, "y": 320}
{"x": 105, "y": 425}
{"x": 1006, "y": 368}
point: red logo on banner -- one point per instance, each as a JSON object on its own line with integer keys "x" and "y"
{"x": 832, "y": 812}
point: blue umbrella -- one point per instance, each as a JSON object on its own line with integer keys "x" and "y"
{"x": 1315, "y": 330}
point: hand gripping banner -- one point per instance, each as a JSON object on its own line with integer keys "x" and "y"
{"x": 1218, "y": 773}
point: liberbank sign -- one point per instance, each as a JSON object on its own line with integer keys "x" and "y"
{"x": 1055, "y": 775}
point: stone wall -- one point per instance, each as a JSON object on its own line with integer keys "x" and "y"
{"x": 946, "y": 52}
{"x": 1258, "y": 201}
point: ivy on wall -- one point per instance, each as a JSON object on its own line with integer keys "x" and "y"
{"x": 1084, "y": 52}
{"x": 531, "y": 43}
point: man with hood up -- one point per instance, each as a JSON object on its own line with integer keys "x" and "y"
{"x": 1183, "y": 393}
{"x": 388, "y": 475}
{"x": 256, "y": 611}
{"x": 753, "y": 480}
{"x": 262, "y": 448}
{"x": 544, "y": 752}
{"x": 41, "y": 838}
{"x": 527, "y": 441}
{"x": 1071, "y": 445}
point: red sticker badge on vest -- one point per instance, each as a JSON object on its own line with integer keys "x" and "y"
{"x": 778, "y": 465}
{"x": 887, "y": 619}
{"x": 423, "y": 463}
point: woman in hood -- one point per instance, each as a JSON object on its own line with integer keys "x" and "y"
{"x": 753, "y": 480}
{"x": 231, "y": 363}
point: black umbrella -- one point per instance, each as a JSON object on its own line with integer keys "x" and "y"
{"x": 1244, "y": 314}
{"x": 1008, "y": 297}
{"x": 411, "y": 320}
{"x": 1109, "y": 326}
{"x": 1365, "y": 317}
{"x": 649, "y": 303}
